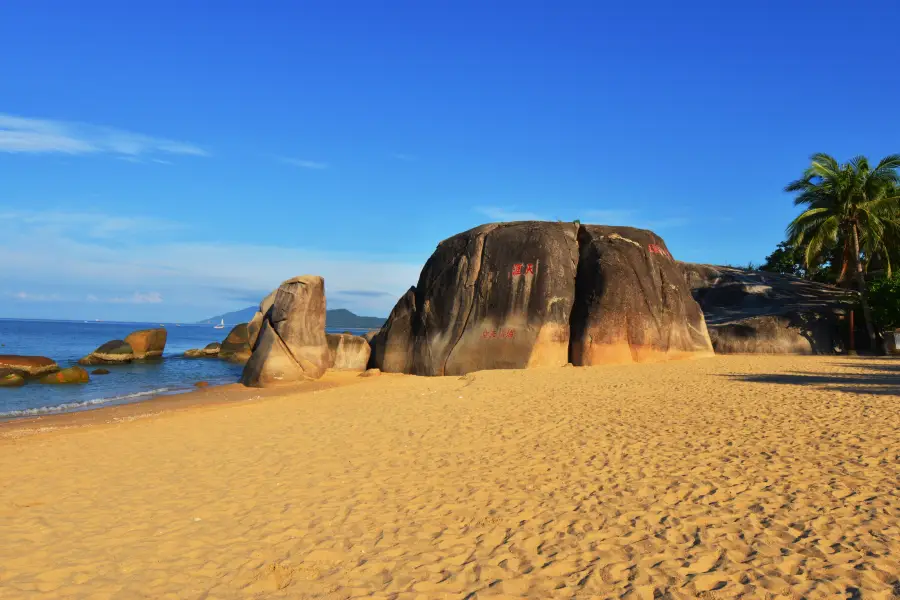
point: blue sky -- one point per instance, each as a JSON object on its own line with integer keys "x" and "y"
{"x": 174, "y": 160}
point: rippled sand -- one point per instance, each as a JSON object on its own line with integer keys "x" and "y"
{"x": 732, "y": 477}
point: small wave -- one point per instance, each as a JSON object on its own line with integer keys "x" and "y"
{"x": 74, "y": 406}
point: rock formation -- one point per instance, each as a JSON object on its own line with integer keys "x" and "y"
{"x": 768, "y": 313}
{"x": 66, "y": 376}
{"x": 527, "y": 294}
{"x": 347, "y": 352}
{"x": 115, "y": 352}
{"x": 147, "y": 343}
{"x": 28, "y": 366}
{"x": 291, "y": 345}
{"x": 236, "y": 346}
{"x": 209, "y": 351}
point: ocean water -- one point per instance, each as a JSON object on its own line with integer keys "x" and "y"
{"x": 67, "y": 341}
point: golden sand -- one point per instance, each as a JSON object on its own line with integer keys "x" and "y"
{"x": 730, "y": 477}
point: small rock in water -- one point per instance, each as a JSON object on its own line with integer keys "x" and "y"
{"x": 201, "y": 384}
{"x": 70, "y": 375}
{"x": 370, "y": 373}
{"x": 10, "y": 378}
{"x": 100, "y": 372}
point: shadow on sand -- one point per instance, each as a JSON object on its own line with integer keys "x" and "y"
{"x": 872, "y": 376}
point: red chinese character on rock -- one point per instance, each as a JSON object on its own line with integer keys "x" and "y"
{"x": 529, "y": 268}
{"x": 494, "y": 333}
{"x": 510, "y": 333}
{"x": 517, "y": 269}
{"x": 485, "y": 334}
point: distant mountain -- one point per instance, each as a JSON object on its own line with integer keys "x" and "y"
{"x": 339, "y": 317}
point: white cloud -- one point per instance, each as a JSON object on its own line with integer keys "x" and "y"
{"x": 101, "y": 259}
{"x": 37, "y": 136}
{"x": 306, "y": 164}
{"x": 89, "y": 224}
{"x": 496, "y": 213}
{"x": 30, "y": 297}
{"x": 138, "y": 298}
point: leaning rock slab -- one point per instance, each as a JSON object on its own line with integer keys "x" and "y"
{"x": 255, "y": 324}
{"x": 291, "y": 345}
{"x": 67, "y": 376}
{"x": 348, "y": 352}
{"x": 28, "y": 366}
{"x": 115, "y": 352}
{"x": 147, "y": 343}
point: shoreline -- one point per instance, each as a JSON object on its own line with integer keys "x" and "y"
{"x": 214, "y": 396}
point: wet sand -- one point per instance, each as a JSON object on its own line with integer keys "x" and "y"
{"x": 730, "y": 477}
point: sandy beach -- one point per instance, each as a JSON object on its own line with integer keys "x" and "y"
{"x": 730, "y": 477}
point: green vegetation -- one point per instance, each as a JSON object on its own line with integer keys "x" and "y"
{"x": 884, "y": 294}
{"x": 850, "y": 228}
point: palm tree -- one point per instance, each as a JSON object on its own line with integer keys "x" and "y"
{"x": 851, "y": 206}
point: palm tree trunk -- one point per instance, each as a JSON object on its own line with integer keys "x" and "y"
{"x": 844, "y": 279}
{"x": 861, "y": 282}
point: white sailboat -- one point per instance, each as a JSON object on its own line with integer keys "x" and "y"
{"x": 220, "y": 325}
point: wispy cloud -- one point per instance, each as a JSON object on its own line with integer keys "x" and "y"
{"x": 89, "y": 224}
{"x": 138, "y": 298}
{"x": 31, "y": 297}
{"x": 144, "y": 264}
{"x": 43, "y": 136}
{"x": 496, "y": 213}
{"x": 304, "y": 164}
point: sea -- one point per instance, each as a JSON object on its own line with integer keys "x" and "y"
{"x": 67, "y": 341}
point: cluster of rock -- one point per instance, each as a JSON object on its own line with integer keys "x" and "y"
{"x": 509, "y": 295}
{"x": 16, "y": 370}
{"x": 236, "y": 347}
{"x": 144, "y": 344}
{"x": 768, "y": 313}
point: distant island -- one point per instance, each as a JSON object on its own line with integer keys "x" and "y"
{"x": 339, "y": 317}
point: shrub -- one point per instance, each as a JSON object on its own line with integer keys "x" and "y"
{"x": 884, "y": 296}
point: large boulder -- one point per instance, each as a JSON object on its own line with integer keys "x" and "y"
{"x": 291, "y": 345}
{"x": 147, "y": 343}
{"x": 236, "y": 345}
{"x": 528, "y": 294}
{"x": 114, "y": 352}
{"x": 66, "y": 376}
{"x": 632, "y": 303}
{"x": 347, "y": 352}
{"x": 28, "y": 366}
{"x": 10, "y": 378}
{"x": 756, "y": 312}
